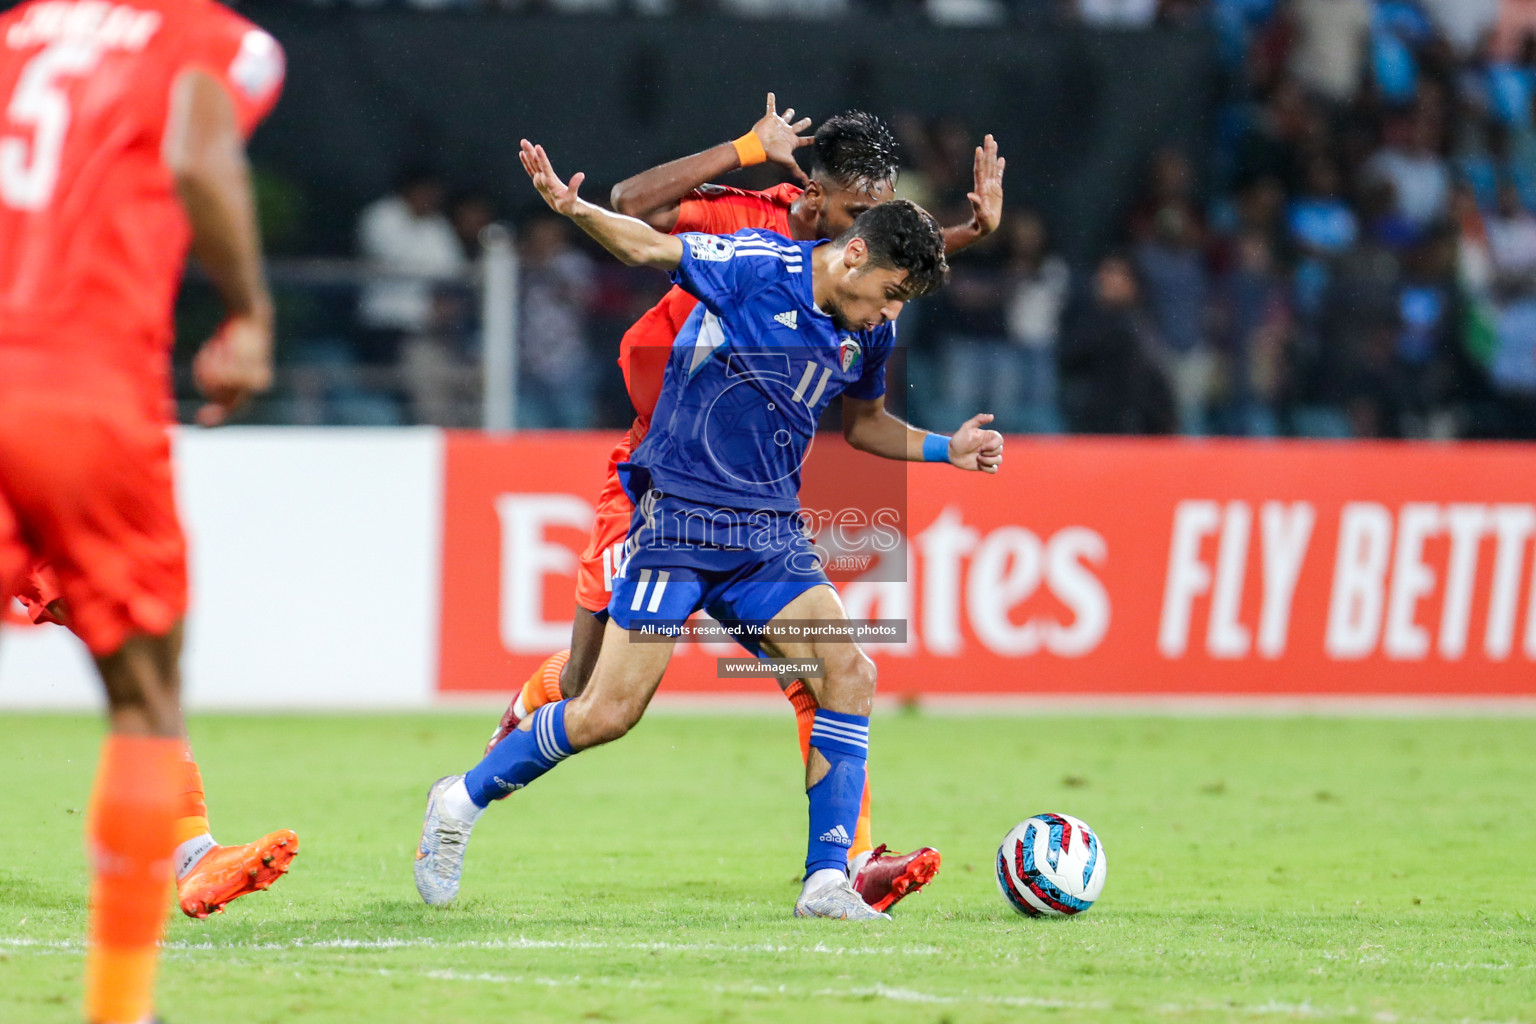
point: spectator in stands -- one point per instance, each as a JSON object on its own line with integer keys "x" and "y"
{"x": 407, "y": 241}
{"x": 1321, "y": 223}
{"x": 442, "y": 368}
{"x": 1410, "y": 161}
{"x": 1512, "y": 242}
{"x": 1280, "y": 135}
{"x": 1260, "y": 206}
{"x": 1475, "y": 253}
{"x": 555, "y": 372}
{"x": 1348, "y": 365}
{"x": 1330, "y": 44}
{"x": 1170, "y": 193}
{"x": 979, "y": 367}
{"x": 1257, "y": 314}
{"x": 1321, "y": 226}
{"x": 1170, "y": 260}
{"x": 1110, "y": 383}
{"x": 1429, "y": 354}
{"x": 1039, "y": 285}
{"x": 471, "y": 212}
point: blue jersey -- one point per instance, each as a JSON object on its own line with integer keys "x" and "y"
{"x": 750, "y": 374}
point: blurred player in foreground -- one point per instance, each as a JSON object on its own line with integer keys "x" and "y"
{"x": 208, "y": 876}
{"x": 853, "y": 169}
{"x": 718, "y": 523}
{"x": 121, "y": 143}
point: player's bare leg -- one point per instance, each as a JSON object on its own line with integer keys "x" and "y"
{"x": 133, "y": 814}
{"x": 587, "y": 632}
{"x": 622, "y": 684}
{"x": 838, "y": 751}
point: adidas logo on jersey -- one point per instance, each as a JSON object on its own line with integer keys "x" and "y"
{"x": 788, "y": 319}
{"x": 837, "y": 834}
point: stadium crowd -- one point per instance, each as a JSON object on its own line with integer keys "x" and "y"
{"x": 1353, "y": 253}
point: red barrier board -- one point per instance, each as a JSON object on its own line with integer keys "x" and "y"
{"x": 1143, "y": 567}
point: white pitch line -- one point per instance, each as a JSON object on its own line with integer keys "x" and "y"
{"x": 1272, "y": 1008}
{"x": 903, "y": 995}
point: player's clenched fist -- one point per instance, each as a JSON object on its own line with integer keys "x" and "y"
{"x": 232, "y": 366}
{"x": 561, "y": 197}
{"x": 974, "y": 447}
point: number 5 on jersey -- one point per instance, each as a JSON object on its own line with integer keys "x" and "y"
{"x": 29, "y": 168}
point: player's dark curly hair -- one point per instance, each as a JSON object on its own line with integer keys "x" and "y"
{"x": 856, "y": 150}
{"x": 903, "y": 236}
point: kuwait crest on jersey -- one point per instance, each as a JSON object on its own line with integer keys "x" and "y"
{"x": 850, "y": 352}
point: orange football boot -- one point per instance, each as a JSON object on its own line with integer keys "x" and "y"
{"x": 228, "y": 872}
{"x": 887, "y": 877}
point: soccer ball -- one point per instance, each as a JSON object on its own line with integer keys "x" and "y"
{"x": 1051, "y": 865}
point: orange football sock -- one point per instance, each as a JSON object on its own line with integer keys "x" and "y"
{"x": 131, "y": 830}
{"x": 543, "y": 687}
{"x": 862, "y": 843}
{"x": 553, "y": 669}
{"x": 804, "y": 703}
{"x": 192, "y": 812}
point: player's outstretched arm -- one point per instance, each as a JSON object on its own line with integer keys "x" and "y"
{"x": 870, "y": 427}
{"x": 205, "y": 153}
{"x": 986, "y": 199}
{"x": 654, "y": 195}
{"x": 632, "y": 241}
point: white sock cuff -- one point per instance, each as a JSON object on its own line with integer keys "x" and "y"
{"x": 190, "y": 852}
{"x": 820, "y": 879}
{"x": 457, "y": 802}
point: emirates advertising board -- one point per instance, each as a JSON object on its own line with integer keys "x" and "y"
{"x": 1084, "y": 568}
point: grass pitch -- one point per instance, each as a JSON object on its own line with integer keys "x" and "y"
{"x": 1259, "y": 869}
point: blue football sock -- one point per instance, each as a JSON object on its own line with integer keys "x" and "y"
{"x": 844, "y": 741}
{"x": 522, "y": 757}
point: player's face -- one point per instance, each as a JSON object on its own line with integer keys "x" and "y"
{"x": 840, "y": 206}
{"x": 867, "y": 296}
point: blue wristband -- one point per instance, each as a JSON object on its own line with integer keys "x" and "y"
{"x": 936, "y": 448}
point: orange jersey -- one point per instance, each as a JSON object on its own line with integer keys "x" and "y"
{"x": 92, "y": 233}
{"x": 715, "y": 210}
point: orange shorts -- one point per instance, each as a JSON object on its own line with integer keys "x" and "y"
{"x": 38, "y": 589}
{"x": 91, "y": 492}
{"x": 604, "y": 556}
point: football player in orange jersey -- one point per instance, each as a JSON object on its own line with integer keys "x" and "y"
{"x": 853, "y": 169}
{"x": 122, "y": 145}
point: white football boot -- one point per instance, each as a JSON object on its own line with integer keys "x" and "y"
{"x": 837, "y": 899}
{"x": 440, "y": 856}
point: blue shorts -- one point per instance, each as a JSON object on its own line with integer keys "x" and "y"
{"x": 741, "y": 567}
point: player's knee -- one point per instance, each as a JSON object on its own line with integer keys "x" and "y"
{"x": 607, "y": 721}
{"x": 850, "y": 685}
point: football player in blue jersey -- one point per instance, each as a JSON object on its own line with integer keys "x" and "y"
{"x": 782, "y": 328}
